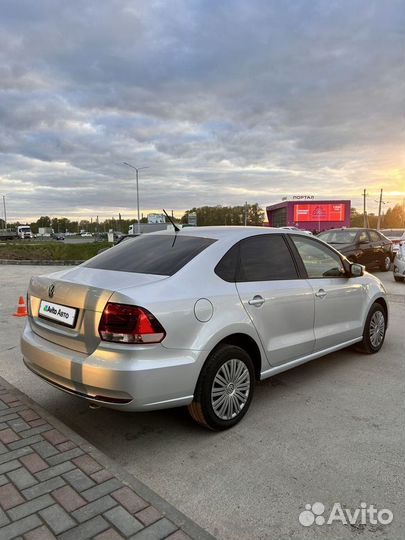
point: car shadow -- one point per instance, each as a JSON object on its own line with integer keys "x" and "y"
{"x": 114, "y": 430}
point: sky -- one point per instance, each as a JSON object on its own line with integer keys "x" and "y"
{"x": 223, "y": 101}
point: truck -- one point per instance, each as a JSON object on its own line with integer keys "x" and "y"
{"x": 8, "y": 234}
{"x": 24, "y": 231}
{"x": 45, "y": 231}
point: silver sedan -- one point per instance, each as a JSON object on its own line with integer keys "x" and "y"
{"x": 196, "y": 317}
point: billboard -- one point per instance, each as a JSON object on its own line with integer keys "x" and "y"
{"x": 319, "y": 212}
{"x": 192, "y": 219}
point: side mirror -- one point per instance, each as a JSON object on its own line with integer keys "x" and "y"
{"x": 356, "y": 270}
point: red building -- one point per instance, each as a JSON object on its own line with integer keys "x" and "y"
{"x": 310, "y": 215}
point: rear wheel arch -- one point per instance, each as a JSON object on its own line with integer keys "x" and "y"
{"x": 222, "y": 395}
{"x": 248, "y": 344}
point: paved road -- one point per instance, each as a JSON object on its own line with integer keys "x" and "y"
{"x": 330, "y": 431}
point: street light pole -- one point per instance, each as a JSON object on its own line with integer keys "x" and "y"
{"x": 5, "y": 213}
{"x": 137, "y": 169}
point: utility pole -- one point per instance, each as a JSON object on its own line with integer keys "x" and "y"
{"x": 245, "y": 213}
{"x": 365, "y": 219}
{"x": 5, "y": 213}
{"x": 379, "y": 209}
{"x": 380, "y": 221}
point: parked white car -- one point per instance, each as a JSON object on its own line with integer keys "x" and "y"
{"x": 395, "y": 235}
{"x": 292, "y": 228}
{"x": 195, "y": 317}
{"x": 399, "y": 261}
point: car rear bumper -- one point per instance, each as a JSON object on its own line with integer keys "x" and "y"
{"x": 126, "y": 378}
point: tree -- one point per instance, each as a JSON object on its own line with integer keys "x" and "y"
{"x": 226, "y": 215}
{"x": 255, "y": 215}
{"x": 394, "y": 218}
{"x": 44, "y": 221}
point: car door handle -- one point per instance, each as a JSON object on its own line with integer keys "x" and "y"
{"x": 256, "y": 301}
{"x": 321, "y": 293}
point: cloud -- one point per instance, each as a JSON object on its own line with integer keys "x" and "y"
{"x": 224, "y": 101}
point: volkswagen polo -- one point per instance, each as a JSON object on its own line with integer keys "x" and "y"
{"x": 196, "y": 317}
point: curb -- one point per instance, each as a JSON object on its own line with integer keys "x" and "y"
{"x": 178, "y": 518}
{"x": 35, "y": 262}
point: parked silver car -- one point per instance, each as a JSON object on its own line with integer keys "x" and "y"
{"x": 195, "y": 317}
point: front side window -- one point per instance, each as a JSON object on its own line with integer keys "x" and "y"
{"x": 157, "y": 254}
{"x": 265, "y": 258}
{"x": 319, "y": 260}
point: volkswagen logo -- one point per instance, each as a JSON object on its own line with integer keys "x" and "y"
{"x": 51, "y": 290}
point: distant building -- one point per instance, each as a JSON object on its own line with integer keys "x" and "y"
{"x": 310, "y": 215}
{"x": 156, "y": 218}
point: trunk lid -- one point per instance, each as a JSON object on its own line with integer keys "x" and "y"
{"x": 87, "y": 290}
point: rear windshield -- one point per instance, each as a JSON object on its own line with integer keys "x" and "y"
{"x": 151, "y": 254}
{"x": 393, "y": 233}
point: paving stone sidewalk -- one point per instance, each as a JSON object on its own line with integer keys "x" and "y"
{"x": 53, "y": 484}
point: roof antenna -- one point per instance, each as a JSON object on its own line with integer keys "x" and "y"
{"x": 176, "y": 228}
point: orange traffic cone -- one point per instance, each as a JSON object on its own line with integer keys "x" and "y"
{"x": 21, "y": 309}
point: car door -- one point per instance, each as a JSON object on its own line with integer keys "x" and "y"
{"x": 376, "y": 245}
{"x": 279, "y": 302}
{"x": 365, "y": 248}
{"x": 339, "y": 300}
{"x": 381, "y": 247}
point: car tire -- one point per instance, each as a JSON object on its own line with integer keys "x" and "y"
{"x": 224, "y": 389}
{"x": 399, "y": 278}
{"x": 385, "y": 264}
{"x": 374, "y": 330}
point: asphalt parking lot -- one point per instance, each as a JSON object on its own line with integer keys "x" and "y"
{"x": 329, "y": 431}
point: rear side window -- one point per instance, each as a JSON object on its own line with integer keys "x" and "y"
{"x": 363, "y": 237}
{"x": 151, "y": 254}
{"x": 265, "y": 258}
{"x": 227, "y": 266}
{"x": 374, "y": 236}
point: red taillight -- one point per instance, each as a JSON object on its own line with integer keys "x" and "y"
{"x": 129, "y": 324}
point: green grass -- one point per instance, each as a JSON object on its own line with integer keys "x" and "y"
{"x": 50, "y": 251}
